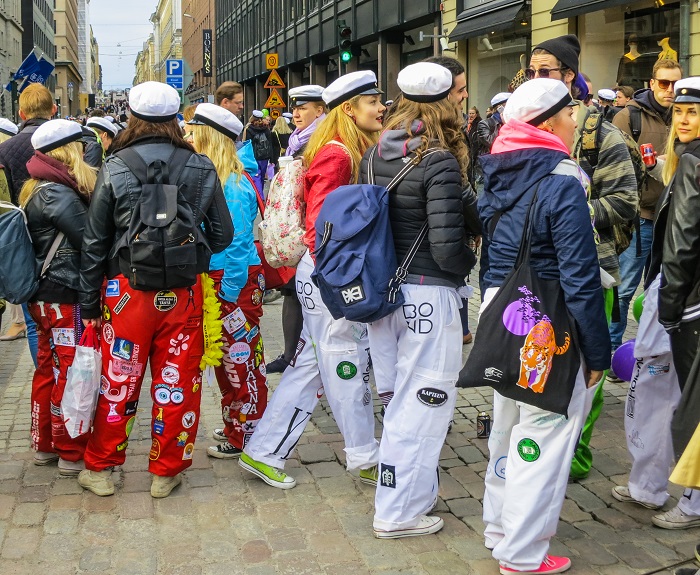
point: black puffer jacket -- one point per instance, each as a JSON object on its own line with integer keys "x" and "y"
{"x": 52, "y": 209}
{"x": 432, "y": 190}
{"x": 116, "y": 192}
{"x": 14, "y": 155}
{"x": 93, "y": 153}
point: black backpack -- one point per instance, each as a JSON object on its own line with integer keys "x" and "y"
{"x": 163, "y": 248}
{"x": 262, "y": 148}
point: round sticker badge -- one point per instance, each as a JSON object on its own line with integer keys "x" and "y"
{"x": 155, "y": 450}
{"x": 256, "y": 297}
{"x": 346, "y": 370}
{"x": 188, "y": 419}
{"x": 170, "y": 374}
{"x": 108, "y": 333}
{"x": 165, "y": 300}
{"x": 239, "y": 352}
{"x": 528, "y": 450}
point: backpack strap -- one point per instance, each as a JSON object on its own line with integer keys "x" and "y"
{"x": 144, "y": 173}
{"x": 52, "y": 252}
{"x": 590, "y": 137}
{"x": 635, "y": 122}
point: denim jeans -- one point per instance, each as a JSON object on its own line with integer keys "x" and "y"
{"x": 631, "y": 269}
{"x": 32, "y": 338}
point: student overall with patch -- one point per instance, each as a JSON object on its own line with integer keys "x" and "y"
{"x": 144, "y": 234}
{"x": 56, "y": 198}
{"x": 647, "y": 119}
{"x": 530, "y": 448}
{"x": 334, "y": 354}
{"x": 238, "y": 280}
{"x": 613, "y": 196}
{"x": 416, "y": 350}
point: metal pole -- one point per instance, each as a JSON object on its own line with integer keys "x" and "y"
{"x": 13, "y": 93}
{"x": 684, "y": 47}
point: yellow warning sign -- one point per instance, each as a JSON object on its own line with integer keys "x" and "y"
{"x": 275, "y": 100}
{"x": 272, "y": 61}
{"x": 274, "y": 81}
{"x": 275, "y": 113}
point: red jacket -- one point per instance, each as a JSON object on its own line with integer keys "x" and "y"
{"x": 332, "y": 167}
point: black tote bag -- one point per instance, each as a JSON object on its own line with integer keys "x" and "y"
{"x": 526, "y": 346}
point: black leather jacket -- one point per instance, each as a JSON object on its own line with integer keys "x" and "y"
{"x": 432, "y": 190}
{"x": 93, "y": 153}
{"x": 52, "y": 209}
{"x": 14, "y": 155}
{"x": 676, "y": 241}
{"x": 116, "y": 193}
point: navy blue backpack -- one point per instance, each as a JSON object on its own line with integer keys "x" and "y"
{"x": 356, "y": 269}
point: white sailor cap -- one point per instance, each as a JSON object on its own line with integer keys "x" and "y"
{"x": 8, "y": 127}
{"x": 218, "y": 118}
{"x": 110, "y": 119}
{"x": 154, "y": 102}
{"x": 537, "y": 100}
{"x": 424, "y": 82}
{"x": 500, "y": 98}
{"x": 688, "y": 90}
{"x": 54, "y": 134}
{"x": 607, "y": 94}
{"x": 102, "y": 124}
{"x": 304, "y": 94}
{"x": 258, "y": 114}
{"x": 353, "y": 84}
{"x": 287, "y": 115}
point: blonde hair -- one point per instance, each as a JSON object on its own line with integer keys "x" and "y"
{"x": 4, "y": 137}
{"x": 442, "y": 124}
{"x": 281, "y": 126}
{"x": 220, "y": 149}
{"x": 71, "y": 155}
{"x": 188, "y": 112}
{"x": 671, "y": 164}
{"x": 337, "y": 124}
{"x": 36, "y": 101}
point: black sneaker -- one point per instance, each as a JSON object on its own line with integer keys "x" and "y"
{"x": 224, "y": 451}
{"x": 277, "y": 365}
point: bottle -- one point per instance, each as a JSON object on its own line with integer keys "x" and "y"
{"x": 483, "y": 425}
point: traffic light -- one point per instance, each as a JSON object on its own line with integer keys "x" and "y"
{"x": 344, "y": 41}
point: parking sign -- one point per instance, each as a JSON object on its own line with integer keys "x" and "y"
{"x": 174, "y": 68}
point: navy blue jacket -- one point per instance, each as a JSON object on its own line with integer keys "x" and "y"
{"x": 563, "y": 247}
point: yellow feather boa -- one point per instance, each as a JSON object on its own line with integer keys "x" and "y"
{"x": 211, "y": 324}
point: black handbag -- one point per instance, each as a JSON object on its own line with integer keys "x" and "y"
{"x": 515, "y": 349}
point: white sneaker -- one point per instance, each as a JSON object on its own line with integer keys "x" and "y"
{"x": 622, "y": 493}
{"x": 426, "y": 524}
{"x": 675, "y": 519}
{"x": 70, "y": 468}
{"x": 44, "y": 457}
{"x": 99, "y": 482}
{"x": 162, "y": 486}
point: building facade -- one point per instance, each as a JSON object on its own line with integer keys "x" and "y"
{"x": 620, "y": 39}
{"x": 84, "y": 47}
{"x": 198, "y": 48}
{"x": 167, "y": 34}
{"x": 145, "y": 62}
{"x": 10, "y": 48}
{"x": 38, "y": 32}
{"x": 385, "y": 34}
{"x": 68, "y": 77}
{"x": 95, "y": 63}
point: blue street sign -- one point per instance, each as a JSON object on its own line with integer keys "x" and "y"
{"x": 174, "y": 68}
{"x": 175, "y": 82}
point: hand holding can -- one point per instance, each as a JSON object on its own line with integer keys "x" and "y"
{"x": 648, "y": 155}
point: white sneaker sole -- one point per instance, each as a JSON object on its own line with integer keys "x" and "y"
{"x": 623, "y": 499}
{"x": 218, "y": 437}
{"x": 42, "y": 462}
{"x": 676, "y": 525}
{"x": 505, "y": 571}
{"x": 221, "y": 455}
{"x": 101, "y": 491}
{"x": 412, "y": 532}
{"x": 265, "y": 478}
{"x": 165, "y": 492}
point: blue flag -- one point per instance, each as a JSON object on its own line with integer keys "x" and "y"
{"x": 29, "y": 66}
{"x": 42, "y": 72}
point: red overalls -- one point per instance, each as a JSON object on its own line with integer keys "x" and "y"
{"x": 164, "y": 327}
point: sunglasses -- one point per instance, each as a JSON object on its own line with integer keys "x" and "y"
{"x": 530, "y": 73}
{"x": 665, "y": 84}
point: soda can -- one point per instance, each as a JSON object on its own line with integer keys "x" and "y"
{"x": 483, "y": 425}
{"x": 648, "y": 155}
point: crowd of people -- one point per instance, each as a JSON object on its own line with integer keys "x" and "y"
{"x": 190, "y": 296}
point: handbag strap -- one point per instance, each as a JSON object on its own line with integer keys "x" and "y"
{"x": 52, "y": 252}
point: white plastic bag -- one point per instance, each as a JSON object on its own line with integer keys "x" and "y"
{"x": 82, "y": 385}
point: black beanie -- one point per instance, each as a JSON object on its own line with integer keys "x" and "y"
{"x": 566, "y": 49}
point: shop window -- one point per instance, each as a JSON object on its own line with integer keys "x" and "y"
{"x": 619, "y": 46}
{"x": 494, "y": 62}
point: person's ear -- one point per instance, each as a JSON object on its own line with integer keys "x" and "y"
{"x": 569, "y": 77}
{"x": 24, "y": 116}
{"x": 347, "y": 109}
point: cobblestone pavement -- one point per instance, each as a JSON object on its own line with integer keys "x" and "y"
{"x": 224, "y": 521}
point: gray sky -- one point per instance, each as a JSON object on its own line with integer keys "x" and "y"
{"x": 122, "y": 22}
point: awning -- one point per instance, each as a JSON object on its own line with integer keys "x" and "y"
{"x": 570, "y": 8}
{"x": 485, "y": 18}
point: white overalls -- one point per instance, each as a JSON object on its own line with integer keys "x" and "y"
{"x": 529, "y": 454}
{"x": 333, "y": 356}
{"x": 652, "y": 398}
{"x": 417, "y": 355}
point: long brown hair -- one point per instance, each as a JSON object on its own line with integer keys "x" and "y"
{"x": 442, "y": 123}
{"x": 141, "y": 129}
{"x": 672, "y": 159}
{"x": 338, "y": 124}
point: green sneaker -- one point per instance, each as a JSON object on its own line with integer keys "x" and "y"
{"x": 270, "y": 475}
{"x": 370, "y": 476}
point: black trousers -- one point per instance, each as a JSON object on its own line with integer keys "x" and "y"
{"x": 685, "y": 344}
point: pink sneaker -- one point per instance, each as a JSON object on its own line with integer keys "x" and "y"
{"x": 551, "y": 564}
